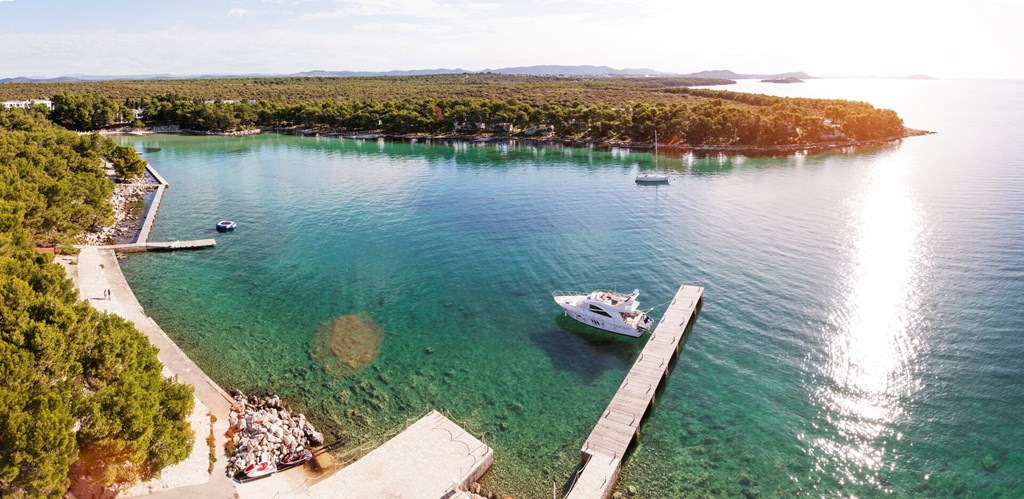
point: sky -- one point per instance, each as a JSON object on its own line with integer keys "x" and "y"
{"x": 942, "y": 38}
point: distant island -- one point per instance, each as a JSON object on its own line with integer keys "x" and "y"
{"x": 584, "y": 110}
{"x": 544, "y": 70}
{"x": 791, "y": 79}
{"x": 731, "y": 75}
{"x": 883, "y": 77}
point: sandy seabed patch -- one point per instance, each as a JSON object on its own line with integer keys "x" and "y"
{"x": 347, "y": 344}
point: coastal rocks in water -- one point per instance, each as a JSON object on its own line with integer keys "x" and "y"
{"x": 347, "y": 344}
{"x": 125, "y": 218}
{"x": 264, "y": 430}
{"x": 476, "y": 491}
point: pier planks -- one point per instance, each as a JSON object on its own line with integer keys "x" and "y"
{"x": 619, "y": 424}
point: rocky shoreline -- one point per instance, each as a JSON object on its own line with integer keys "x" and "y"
{"x": 173, "y": 129}
{"x": 263, "y": 429}
{"x": 126, "y": 222}
{"x": 752, "y": 150}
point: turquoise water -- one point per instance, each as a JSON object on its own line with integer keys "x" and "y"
{"x": 860, "y": 333}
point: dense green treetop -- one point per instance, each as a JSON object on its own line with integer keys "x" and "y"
{"x": 293, "y": 90}
{"x": 127, "y": 163}
{"x": 593, "y": 109}
{"x": 77, "y": 384}
{"x": 87, "y": 111}
{"x": 705, "y": 118}
{"x": 53, "y": 176}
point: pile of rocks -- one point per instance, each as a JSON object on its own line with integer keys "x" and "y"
{"x": 264, "y": 430}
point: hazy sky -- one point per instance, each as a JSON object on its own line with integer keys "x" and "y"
{"x": 952, "y": 38}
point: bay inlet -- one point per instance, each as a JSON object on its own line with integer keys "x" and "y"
{"x": 860, "y": 340}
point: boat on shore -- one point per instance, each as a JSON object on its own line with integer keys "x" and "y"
{"x": 226, "y": 225}
{"x": 613, "y": 312}
{"x": 258, "y": 470}
{"x": 293, "y": 459}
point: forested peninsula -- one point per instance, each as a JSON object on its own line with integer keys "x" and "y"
{"x": 78, "y": 385}
{"x": 623, "y": 111}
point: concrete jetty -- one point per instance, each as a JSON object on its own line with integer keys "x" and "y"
{"x": 152, "y": 171}
{"x": 619, "y": 424}
{"x": 151, "y": 212}
{"x": 147, "y": 225}
{"x": 161, "y": 246}
{"x": 433, "y": 457}
{"x": 142, "y": 243}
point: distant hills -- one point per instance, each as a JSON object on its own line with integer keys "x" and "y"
{"x": 730, "y": 75}
{"x": 22, "y": 79}
{"x": 549, "y": 70}
{"x": 520, "y": 70}
{"x": 343, "y": 74}
{"x": 579, "y": 71}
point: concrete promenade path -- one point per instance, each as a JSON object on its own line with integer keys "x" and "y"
{"x": 97, "y": 270}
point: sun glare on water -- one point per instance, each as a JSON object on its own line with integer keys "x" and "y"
{"x": 872, "y": 341}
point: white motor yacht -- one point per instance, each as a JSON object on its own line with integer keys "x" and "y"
{"x": 608, "y": 310}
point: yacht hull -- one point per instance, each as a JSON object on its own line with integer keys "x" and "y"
{"x": 584, "y": 316}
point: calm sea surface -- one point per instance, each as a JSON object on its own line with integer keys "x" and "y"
{"x": 861, "y": 332}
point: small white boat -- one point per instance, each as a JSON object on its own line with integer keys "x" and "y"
{"x": 653, "y": 178}
{"x": 607, "y": 310}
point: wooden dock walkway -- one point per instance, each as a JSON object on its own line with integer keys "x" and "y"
{"x": 619, "y": 424}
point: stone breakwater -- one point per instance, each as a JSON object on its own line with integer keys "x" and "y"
{"x": 126, "y": 221}
{"x": 264, "y": 430}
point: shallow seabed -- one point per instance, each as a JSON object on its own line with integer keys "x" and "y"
{"x": 860, "y": 332}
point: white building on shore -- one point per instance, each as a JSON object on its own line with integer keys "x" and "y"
{"x": 25, "y": 104}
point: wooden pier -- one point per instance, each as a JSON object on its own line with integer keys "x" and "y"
{"x": 619, "y": 424}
